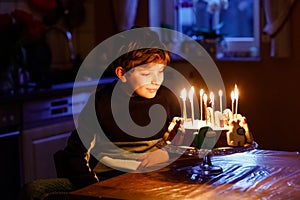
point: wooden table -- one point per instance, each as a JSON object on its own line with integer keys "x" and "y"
{"x": 258, "y": 174}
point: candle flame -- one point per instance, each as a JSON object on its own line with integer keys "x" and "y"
{"x": 236, "y": 92}
{"x": 220, "y": 93}
{"x": 212, "y": 97}
{"x": 191, "y": 93}
{"x": 201, "y": 92}
{"x": 183, "y": 94}
{"x": 232, "y": 96}
{"x": 205, "y": 98}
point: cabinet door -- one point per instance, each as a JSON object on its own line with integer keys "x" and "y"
{"x": 39, "y": 146}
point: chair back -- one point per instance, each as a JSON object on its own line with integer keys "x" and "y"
{"x": 60, "y": 167}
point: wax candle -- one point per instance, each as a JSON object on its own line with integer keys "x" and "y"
{"x": 183, "y": 97}
{"x": 191, "y": 97}
{"x": 212, "y": 100}
{"x": 232, "y": 103}
{"x": 236, "y": 96}
{"x": 205, "y": 106}
{"x": 201, "y": 99}
{"x": 220, "y": 95}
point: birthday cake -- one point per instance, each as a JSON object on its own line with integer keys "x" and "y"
{"x": 227, "y": 132}
{"x": 218, "y": 129}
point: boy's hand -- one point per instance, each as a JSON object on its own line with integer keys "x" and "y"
{"x": 153, "y": 158}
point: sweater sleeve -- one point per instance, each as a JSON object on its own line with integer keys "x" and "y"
{"x": 78, "y": 158}
{"x": 79, "y": 162}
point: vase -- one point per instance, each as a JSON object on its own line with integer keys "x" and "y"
{"x": 13, "y": 78}
{"x": 22, "y": 77}
{"x": 6, "y": 79}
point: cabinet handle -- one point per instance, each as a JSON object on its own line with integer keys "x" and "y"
{"x": 10, "y": 134}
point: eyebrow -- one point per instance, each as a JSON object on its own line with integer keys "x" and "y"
{"x": 145, "y": 68}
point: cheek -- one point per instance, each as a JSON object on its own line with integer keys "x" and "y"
{"x": 144, "y": 80}
{"x": 139, "y": 82}
{"x": 161, "y": 77}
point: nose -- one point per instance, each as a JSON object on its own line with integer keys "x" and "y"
{"x": 156, "y": 79}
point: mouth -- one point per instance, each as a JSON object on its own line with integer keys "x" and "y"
{"x": 152, "y": 90}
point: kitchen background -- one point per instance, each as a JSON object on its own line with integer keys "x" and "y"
{"x": 269, "y": 86}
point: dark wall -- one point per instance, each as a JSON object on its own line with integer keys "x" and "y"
{"x": 105, "y": 22}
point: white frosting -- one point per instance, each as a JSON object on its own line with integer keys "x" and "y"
{"x": 197, "y": 124}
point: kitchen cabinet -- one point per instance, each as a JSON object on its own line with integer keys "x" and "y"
{"x": 47, "y": 124}
{"x": 10, "y": 150}
{"x": 40, "y": 122}
{"x": 39, "y": 145}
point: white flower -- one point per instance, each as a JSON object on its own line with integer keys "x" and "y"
{"x": 214, "y": 6}
{"x": 224, "y": 4}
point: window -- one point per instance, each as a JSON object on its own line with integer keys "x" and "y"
{"x": 237, "y": 23}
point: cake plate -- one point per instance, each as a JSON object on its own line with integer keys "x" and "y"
{"x": 206, "y": 169}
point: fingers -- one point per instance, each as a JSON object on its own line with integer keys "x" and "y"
{"x": 142, "y": 157}
{"x": 153, "y": 158}
{"x": 145, "y": 161}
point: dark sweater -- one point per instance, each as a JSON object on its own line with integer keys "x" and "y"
{"x": 79, "y": 162}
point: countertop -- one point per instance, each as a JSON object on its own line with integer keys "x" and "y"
{"x": 34, "y": 93}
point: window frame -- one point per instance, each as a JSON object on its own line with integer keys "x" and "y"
{"x": 243, "y": 44}
{"x": 165, "y": 12}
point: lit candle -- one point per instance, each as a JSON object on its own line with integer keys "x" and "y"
{"x": 191, "y": 97}
{"x": 232, "y": 103}
{"x": 236, "y": 96}
{"x": 205, "y": 106}
{"x": 221, "y": 94}
{"x": 183, "y": 97}
{"x": 201, "y": 99}
{"x": 212, "y": 100}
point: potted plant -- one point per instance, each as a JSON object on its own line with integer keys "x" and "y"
{"x": 210, "y": 38}
{"x": 22, "y": 43}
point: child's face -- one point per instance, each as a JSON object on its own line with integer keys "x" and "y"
{"x": 146, "y": 79}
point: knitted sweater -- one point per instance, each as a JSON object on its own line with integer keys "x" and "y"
{"x": 90, "y": 140}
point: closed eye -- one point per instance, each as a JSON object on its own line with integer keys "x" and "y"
{"x": 145, "y": 74}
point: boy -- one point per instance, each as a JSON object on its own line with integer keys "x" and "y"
{"x": 141, "y": 73}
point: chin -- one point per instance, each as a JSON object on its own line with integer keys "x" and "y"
{"x": 150, "y": 96}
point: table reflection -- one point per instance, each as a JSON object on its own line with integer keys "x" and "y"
{"x": 256, "y": 174}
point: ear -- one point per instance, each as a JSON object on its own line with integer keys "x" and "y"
{"x": 120, "y": 72}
